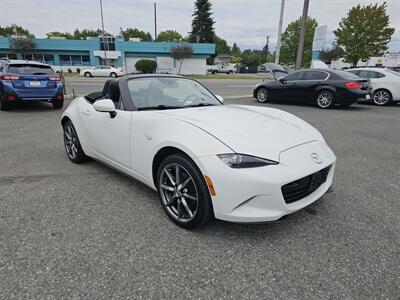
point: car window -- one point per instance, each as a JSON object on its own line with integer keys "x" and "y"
{"x": 153, "y": 92}
{"x": 315, "y": 75}
{"x": 294, "y": 76}
{"x": 355, "y": 72}
{"x": 29, "y": 69}
{"x": 375, "y": 74}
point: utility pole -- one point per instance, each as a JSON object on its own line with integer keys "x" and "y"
{"x": 266, "y": 49}
{"x": 300, "y": 50}
{"x": 155, "y": 21}
{"x": 102, "y": 27}
{"x": 278, "y": 43}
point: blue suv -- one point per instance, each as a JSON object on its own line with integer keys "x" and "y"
{"x": 22, "y": 80}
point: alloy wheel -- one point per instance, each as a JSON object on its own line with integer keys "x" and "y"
{"x": 178, "y": 193}
{"x": 71, "y": 142}
{"x": 325, "y": 99}
{"x": 262, "y": 95}
{"x": 381, "y": 97}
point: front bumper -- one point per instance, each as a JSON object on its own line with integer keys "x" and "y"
{"x": 254, "y": 195}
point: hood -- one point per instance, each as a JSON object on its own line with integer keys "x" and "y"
{"x": 253, "y": 130}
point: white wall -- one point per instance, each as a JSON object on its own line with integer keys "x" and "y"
{"x": 193, "y": 66}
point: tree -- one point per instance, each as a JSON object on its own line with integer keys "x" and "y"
{"x": 253, "y": 58}
{"x": 85, "y": 33}
{"x": 146, "y": 66}
{"x": 290, "y": 41}
{"x": 235, "y": 50}
{"x": 135, "y": 33}
{"x": 333, "y": 54}
{"x": 203, "y": 23}
{"x": 169, "y": 36}
{"x": 221, "y": 46}
{"x": 180, "y": 53}
{"x": 59, "y": 34}
{"x": 364, "y": 32}
{"x": 14, "y": 29}
{"x": 22, "y": 44}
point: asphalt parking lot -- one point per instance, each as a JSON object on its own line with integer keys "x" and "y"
{"x": 86, "y": 231}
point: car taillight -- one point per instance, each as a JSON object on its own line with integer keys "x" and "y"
{"x": 59, "y": 97}
{"x": 9, "y": 77}
{"x": 354, "y": 85}
{"x": 55, "y": 78}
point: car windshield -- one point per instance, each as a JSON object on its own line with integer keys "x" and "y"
{"x": 27, "y": 69}
{"x": 169, "y": 92}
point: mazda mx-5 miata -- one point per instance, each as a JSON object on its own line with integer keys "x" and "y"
{"x": 236, "y": 163}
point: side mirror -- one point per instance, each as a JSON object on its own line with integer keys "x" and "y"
{"x": 105, "y": 105}
{"x": 220, "y": 98}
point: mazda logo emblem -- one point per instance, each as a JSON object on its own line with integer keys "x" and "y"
{"x": 316, "y": 158}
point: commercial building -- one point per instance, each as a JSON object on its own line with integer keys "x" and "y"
{"x": 71, "y": 55}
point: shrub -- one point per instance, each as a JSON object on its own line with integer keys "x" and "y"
{"x": 78, "y": 70}
{"x": 146, "y": 66}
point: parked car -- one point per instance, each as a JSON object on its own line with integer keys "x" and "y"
{"x": 102, "y": 71}
{"x": 385, "y": 84}
{"x": 322, "y": 87}
{"x": 23, "y": 80}
{"x": 277, "y": 71}
{"x": 178, "y": 138}
{"x": 221, "y": 69}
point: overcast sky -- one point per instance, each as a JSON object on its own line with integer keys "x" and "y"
{"x": 246, "y": 22}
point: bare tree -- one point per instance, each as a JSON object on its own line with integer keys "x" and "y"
{"x": 180, "y": 53}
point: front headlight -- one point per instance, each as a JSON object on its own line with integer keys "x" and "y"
{"x": 240, "y": 161}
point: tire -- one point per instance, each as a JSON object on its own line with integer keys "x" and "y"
{"x": 184, "y": 211}
{"x": 76, "y": 154}
{"x": 325, "y": 99}
{"x": 113, "y": 75}
{"x": 4, "y": 105}
{"x": 382, "y": 97}
{"x": 230, "y": 72}
{"x": 58, "y": 104}
{"x": 262, "y": 95}
{"x": 87, "y": 74}
{"x": 214, "y": 72}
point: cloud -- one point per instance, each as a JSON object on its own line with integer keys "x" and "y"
{"x": 246, "y": 22}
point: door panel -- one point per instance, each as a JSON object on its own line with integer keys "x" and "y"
{"x": 108, "y": 137}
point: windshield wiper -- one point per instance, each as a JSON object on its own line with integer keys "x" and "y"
{"x": 201, "y": 104}
{"x": 160, "y": 107}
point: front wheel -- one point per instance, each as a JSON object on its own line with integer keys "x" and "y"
{"x": 72, "y": 144}
{"x": 262, "y": 95}
{"x": 113, "y": 75}
{"x": 87, "y": 74}
{"x": 325, "y": 99}
{"x": 382, "y": 97}
{"x": 183, "y": 192}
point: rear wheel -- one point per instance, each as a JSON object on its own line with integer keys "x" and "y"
{"x": 4, "y": 105}
{"x": 325, "y": 99}
{"x": 58, "y": 104}
{"x": 262, "y": 95}
{"x": 72, "y": 144}
{"x": 382, "y": 97}
{"x": 87, "y": 74}
{"x": 183, "y": 192}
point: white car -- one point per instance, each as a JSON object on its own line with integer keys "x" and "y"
{"x": 385, "y": 84}
{"x": 234, "y": 162}
{"x": 102, "y": 71}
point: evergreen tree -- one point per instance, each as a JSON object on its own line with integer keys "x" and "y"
{"x": 236, "y": 50}
{"x": 203, "y": 23}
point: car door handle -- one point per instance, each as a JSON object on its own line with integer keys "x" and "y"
{"x": 86, "y": 112}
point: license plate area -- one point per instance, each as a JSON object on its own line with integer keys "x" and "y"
{"x": 34, "y": 83}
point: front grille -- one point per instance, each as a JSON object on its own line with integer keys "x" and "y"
{"x": 305, "y": 186}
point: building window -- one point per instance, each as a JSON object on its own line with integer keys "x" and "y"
{"x": 74, "y": 60}
{"x": 107, "y": 42}
{"x": 8, "y": 55}
{"x": 43, "y": 58}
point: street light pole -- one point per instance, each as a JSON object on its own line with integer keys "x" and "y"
{"x": 300, "y": 49}
{"x": 102, "y": 27}
{"x": 278, "y": 42}
{"x": 155, "y": 21}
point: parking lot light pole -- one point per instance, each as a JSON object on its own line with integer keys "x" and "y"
{"x": 300, "y": 50}
{"x": 102, "y": 27}
{"x": 278, "y": 42}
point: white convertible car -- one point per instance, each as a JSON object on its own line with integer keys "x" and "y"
{"x": 236, "y": 163}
